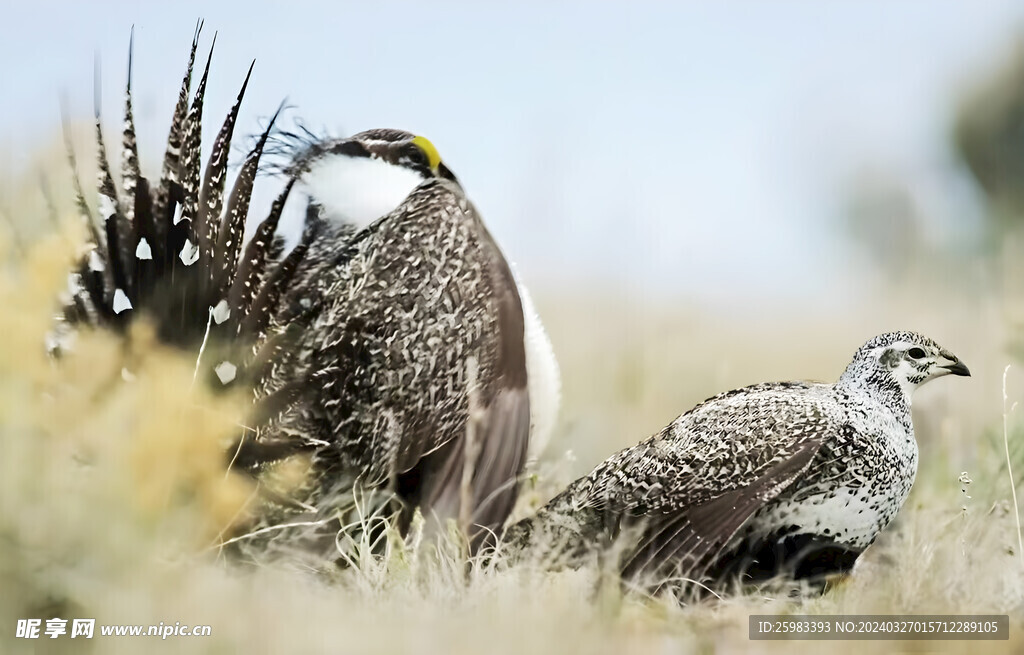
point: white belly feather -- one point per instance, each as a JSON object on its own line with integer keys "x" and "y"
{"x": 544, "y": 381}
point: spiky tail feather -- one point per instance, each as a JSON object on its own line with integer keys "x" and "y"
{"x": 175, "y": 254}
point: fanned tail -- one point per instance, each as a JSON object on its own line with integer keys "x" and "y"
{"x": 176, "y": 254}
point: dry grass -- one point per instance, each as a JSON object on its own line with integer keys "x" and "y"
{"x": 112, "y": 492}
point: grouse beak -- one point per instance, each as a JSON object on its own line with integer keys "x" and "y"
{"x": 956, "y": 368}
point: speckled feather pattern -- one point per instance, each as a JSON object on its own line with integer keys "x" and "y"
{"x": 830, "y": 460}
{"x": 376, "y": 351}
{"x": 399, "y": 310}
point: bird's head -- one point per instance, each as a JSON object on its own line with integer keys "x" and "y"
{"x": 361, "y": 178}
{"x": 903, "y": 360}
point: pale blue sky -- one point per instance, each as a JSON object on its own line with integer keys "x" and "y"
{"x": 693, "y": 149}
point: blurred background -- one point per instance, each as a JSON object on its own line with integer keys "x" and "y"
{"x": 699, "y": 197}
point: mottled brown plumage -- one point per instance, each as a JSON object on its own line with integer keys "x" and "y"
{"x": 795, "y": 478}
{"x": 389, "y": 354}
{"x": 395, "y": 325}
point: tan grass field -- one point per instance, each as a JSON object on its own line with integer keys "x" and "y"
{"x": 113, "y": 494}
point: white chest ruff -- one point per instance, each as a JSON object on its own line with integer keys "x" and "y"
{"x": 358, "y": 190}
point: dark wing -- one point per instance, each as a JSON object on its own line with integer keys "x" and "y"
{"x": 685, "y": 543}
{"x": 688, "y": 490}
{"x": 481, "y": 472}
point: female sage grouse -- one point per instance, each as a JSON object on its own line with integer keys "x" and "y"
{"x": 791, "y": 478}
{"x": 393, "y": 348}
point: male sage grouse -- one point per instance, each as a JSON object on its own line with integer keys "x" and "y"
{"x": 791, "y": 478}
{"x": 392, "y": 348}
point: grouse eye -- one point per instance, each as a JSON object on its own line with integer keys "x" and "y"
{"x": 416, "y": 156}
{"x": 916, "y": 353}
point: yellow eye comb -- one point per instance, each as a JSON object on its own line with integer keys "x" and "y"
{"x": 433, "y": 156}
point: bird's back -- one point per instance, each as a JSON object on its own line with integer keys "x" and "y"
{"x": 689, "y": 488}
{"x": 716, "y": 446}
